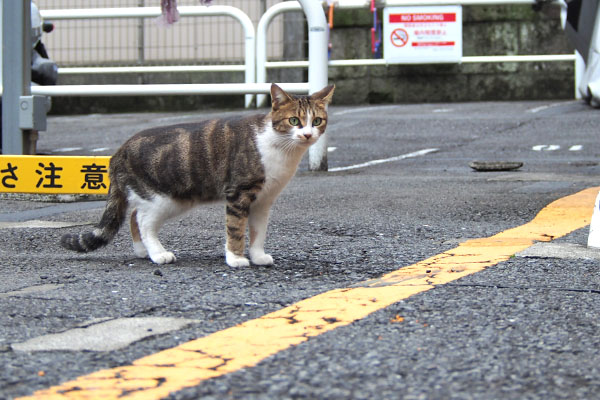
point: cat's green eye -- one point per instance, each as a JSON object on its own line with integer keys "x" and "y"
{"x": 294, "y": 121}
{"x": 317, "y": 121}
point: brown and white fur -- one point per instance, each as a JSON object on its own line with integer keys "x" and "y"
{"x": 163, "y": 172}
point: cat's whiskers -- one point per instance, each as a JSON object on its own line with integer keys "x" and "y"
{"x": 287, "y": 145}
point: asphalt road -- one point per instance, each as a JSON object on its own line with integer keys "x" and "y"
{"x": 525, "y": 328}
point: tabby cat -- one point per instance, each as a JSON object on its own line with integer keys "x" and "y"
{"x": 163, "y": 172}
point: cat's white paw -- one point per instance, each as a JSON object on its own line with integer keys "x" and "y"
{"x": 163, "y": 258}
{"x": 260, "y": 258}
{"x": 140, "y": 250}
{"x": 236, "y": 261}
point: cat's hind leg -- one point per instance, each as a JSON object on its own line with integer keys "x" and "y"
{"x": 138, "y": 246}
{"x": 150, "y": 216}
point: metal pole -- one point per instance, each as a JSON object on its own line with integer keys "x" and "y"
{"x": 318, "y": 32}
{"x": 141, "y": 42}
{"x": 16, "y": 72}
{"x": 263, "y": 6}
{"x": 1, "y": 7}
{"x": 141, "y": 39}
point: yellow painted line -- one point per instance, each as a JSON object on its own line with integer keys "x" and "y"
{"x": 246, "y": 344}
{"x": 54, "y": 174}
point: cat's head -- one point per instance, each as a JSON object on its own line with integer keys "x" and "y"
{"x": 301, "y": 120}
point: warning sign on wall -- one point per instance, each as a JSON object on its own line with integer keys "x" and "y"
{"x": 49, "y": 174}
{"x": 425, "y": 34}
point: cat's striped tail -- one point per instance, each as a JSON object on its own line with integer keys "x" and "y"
{"x": 112, "y": 219}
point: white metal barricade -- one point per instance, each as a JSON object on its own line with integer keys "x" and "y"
{"x": 249, "y": 66}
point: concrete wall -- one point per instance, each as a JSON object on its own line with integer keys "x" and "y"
{"x": 487, "y": 30}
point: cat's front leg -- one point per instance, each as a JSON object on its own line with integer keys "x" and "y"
{"x": 258, "y": 221}
{"x": 235, "y": 261}
{"x": 237, "y": 210}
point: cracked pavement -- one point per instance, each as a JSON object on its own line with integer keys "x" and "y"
{"x": 525, "y": 327}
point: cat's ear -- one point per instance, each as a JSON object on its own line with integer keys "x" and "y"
{"x": 324, "y": 94}
{"x": 278, "y": 96}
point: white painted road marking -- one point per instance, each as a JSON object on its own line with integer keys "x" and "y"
{"x": 546, "y": 147}
{"x": 538, "y": 109}
{"x": 67, "y": 149}
{"x": 542, "y": 108}
{"x": 362, "y": 109}
{"x": 554, "y": 147}
{"x": 385, "y": 160}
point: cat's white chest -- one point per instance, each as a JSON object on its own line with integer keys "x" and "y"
{"x": 279, "y": 167}
{"x": 280, "y": 164}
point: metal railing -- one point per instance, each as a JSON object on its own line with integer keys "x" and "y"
{"x": 249, "y": 66}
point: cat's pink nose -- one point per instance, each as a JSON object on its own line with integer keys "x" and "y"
{"x": 307, "y": 135}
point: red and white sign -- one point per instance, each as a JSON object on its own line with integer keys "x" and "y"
{"x": 423, "y": 34}
{"x": 422, "y": 17}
